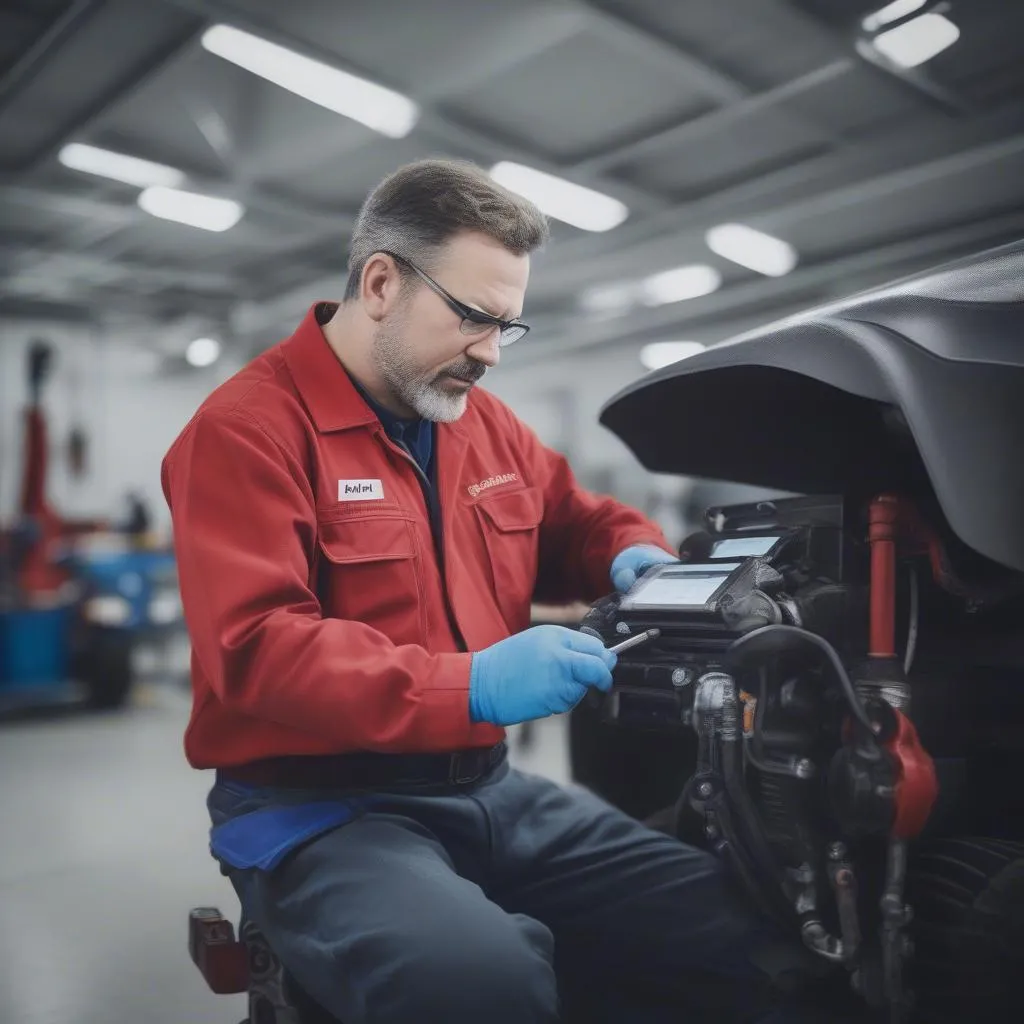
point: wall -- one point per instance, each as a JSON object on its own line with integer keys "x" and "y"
{"x": 113, "y": 389}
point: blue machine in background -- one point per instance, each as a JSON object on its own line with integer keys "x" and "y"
{"x": 75, "y": 597}
{"x": 82, "y": 648}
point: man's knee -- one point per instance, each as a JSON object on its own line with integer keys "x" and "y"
{"x": 502, "y": 975}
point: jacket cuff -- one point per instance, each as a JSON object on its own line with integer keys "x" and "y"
{"x": 446, "y": 718}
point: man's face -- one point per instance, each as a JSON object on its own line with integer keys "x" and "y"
{"x": 420, "y": 351}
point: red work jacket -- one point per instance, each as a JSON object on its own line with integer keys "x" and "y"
{"x": 321, "y": 618}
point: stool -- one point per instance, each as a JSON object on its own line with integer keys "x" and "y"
{"x": 247, "y": 964}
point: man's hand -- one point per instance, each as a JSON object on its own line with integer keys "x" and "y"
{"x": 633, "y": 562}
{"x": 542, "y": 671}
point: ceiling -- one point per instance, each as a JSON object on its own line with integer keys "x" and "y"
{"x": 693, "y": 113}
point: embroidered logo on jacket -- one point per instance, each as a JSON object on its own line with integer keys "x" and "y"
{"x": 360, "y": 490}
{"x": 492, "y": 481}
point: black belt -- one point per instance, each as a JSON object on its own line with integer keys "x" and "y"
{"x": 370, "y": 771}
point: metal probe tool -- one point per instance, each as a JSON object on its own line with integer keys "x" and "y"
{"x": 635, "y": 641}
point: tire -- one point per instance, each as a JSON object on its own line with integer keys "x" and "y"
{"x": 105, "y": 667}
{"x": 968, "y": 930}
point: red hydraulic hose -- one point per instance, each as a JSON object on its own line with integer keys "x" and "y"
{"x": 882, "y": 516}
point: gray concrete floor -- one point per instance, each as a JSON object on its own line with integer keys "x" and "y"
{"x": 103, "y": 850}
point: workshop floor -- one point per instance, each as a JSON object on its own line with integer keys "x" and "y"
{"x": 103, "y": 852}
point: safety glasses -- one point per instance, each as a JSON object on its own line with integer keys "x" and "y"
{"x": 473, "y": 321}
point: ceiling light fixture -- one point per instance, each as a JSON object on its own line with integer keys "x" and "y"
{"x": 581, "y": 207}
{"x": 607, "y": 300}
{"x": 890, "y": 13}
{"x": 373, "y": 105}
{"x": 752, "y": 249}
{"x": 198, "y": 211}
{"x": 663, "y": 353}
{"x": 916, "y": 41}
{"x": 129, "y": 169}
{"x": 679, "y": 284}
{"x": 202, "y": 352}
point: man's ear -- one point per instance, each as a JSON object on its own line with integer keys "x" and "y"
{"x": 379, "y": 286}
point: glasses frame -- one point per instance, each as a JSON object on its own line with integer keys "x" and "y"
{"x": 468, "y": 313}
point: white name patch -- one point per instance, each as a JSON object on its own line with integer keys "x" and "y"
{"x": 360, "y": 490}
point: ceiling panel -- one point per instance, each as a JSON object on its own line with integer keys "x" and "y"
{"x": 581, "y": 96}
{"x": 748, "y": 147}
{"x": 138, "y": 33}
{"x": 189, "y": 114}
{"x": 976, "y": 194}
{"x": 760, "y": 42}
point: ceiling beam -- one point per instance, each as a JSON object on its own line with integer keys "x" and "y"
{"x": 652, "y": 49}
{"x": 33, "y": 58}
{"x": 309, "y": 221}
{"x": 159, "y": 59}
{"x": 31, "y": 269}
{"x": 697, "y": 128}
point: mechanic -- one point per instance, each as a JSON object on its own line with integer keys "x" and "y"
{"x": 360, "y": 530}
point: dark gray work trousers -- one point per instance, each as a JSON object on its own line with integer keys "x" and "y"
{"x": 515, "y": 901}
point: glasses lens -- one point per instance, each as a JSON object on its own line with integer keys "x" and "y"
{"x": 475, "y": 327}
{"x": 513, "y": 334}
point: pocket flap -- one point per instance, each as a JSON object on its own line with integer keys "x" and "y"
{"x": 511, "y": 511}
{"x": 366, "y": 539}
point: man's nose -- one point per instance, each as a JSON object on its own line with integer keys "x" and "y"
{"x": 484, "y": 349}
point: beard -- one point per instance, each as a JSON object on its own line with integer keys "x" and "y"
{"x": 419, "y": 390}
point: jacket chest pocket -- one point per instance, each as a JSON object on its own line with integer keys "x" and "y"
{"x": 370, "y": 572}
{"x": 510, "y": 523}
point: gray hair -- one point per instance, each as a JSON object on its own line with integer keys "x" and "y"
{"x": 416, "y": 210}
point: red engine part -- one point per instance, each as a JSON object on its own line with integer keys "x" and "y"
{"x": 221, "y": 958}
{"x": 917, "y": 785}
{"x": 882, "y": 519}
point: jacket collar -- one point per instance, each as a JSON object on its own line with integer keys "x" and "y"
{"x": 328, "y": 391}
{"x": 333, "y": 400}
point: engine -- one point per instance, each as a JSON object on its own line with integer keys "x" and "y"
{"x": 774, "y": 640}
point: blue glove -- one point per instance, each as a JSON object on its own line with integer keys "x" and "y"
{"x": 542, "y": 671}
{"x": 632, "y": 563}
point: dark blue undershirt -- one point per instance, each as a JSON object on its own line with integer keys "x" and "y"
{"x": 415, "y": 435}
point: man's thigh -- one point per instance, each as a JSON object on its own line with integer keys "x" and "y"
{"x": 373, "y": 922}
{"x": 626, "y": 904}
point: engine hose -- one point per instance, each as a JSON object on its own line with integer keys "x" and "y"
{"x": 768, "y": 898}
{"x": 779, "y": 637}
{"x": 732, "y": 776}
{"x": 681, "y": 805}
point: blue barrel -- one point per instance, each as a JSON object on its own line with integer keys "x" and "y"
{"x": 34, "y": 647}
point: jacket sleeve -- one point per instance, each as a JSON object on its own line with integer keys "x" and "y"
{"x": 581, "y": 533}
{"x": 245, "y": 536}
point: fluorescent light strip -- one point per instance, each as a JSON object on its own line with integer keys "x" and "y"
{"x": 663, "y": 353}
{"x": 198, "y": 211}
{"x": 105, "y": 163}
{"x": 752, "y": 249}
{"x": 918, "y": 41}
{"x": 381, "y": 109}
{"x": 891, "y": 12}
{"x": 679, "y": 284}
{"x": 573, "y": 204}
